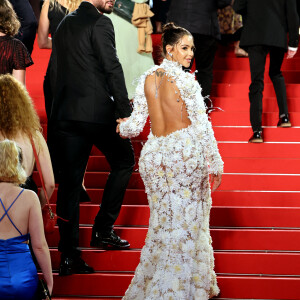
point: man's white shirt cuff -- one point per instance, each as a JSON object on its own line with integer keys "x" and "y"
{"x": 293, "y": 48}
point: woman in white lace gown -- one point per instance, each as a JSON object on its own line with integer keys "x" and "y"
{"x": 177, "y": 260}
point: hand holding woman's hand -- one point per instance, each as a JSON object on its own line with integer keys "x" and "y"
{"x": 215, "y": 181}
{"x": 291, "y": 54}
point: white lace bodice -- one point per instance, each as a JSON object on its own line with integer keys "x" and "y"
{"x": 190, "y": 91}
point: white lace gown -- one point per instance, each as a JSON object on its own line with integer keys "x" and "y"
{"x": 177, "y": 260}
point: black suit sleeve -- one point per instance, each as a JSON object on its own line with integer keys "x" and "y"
{"x": 293, "y": 22}
{"x": 223, "y": 3}
{"x": 103, "y": 39}
{"x": 240, "y": 7}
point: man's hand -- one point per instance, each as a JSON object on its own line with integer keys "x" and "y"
{"x": 291, "y": 53}
{"x": 215, "y": 181}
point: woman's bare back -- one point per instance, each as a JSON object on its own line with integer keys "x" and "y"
{"x": 166, "y": 108}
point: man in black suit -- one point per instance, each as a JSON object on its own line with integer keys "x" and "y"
{"x": 89, "y": 96}
{"x": 28, "y": 21}
{"x": 266, "y": 24}
{"x": 201, "y": 19}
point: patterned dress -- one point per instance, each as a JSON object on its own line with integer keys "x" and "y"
{"x": 177, "y": 260}
{"x": 13, "y": 55}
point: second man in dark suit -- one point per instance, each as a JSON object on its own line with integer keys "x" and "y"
{"x": 200, "y": 18}
{"x": 266, "y": 25}
{"x": 89, "y": 96}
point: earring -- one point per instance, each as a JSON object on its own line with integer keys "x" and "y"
{"x": 170, "y": 54}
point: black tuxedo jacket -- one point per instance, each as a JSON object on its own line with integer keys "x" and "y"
{"x": 267, "y": 22}
{"x": 197, "y": 16}
{"x": 89, "y": 83}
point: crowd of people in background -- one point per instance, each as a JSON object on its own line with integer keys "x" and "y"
{"x": 76, "y": 128}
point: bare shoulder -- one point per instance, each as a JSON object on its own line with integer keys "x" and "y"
{"x": 40, "y": 142}
{"x": 31, "y": 197}
{"x": 152, "y": 80}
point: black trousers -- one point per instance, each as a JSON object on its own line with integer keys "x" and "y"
{"x": 257, "y": 58}
{"x": 206, "y": 47}
{"x": 74, "y": 141}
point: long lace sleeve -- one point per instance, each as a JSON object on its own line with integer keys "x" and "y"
{"x": 212, "y": 153}
{"x": 207, "y": 136}
{"x": 136, "y": 122}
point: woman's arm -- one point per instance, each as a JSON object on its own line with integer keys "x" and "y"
{"x": 38, "y": 241}
{"x": 46, "y": 166}
{"x": 19, "y": 75}
{"x": 44, "y": 41}
{"x": 211, "y": 147}
{"x": 134, "y": 125}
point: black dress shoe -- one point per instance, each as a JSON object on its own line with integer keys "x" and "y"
{"x": 284, "y": 122}
{"x": 104, "y": 240}
{"x": 84, "y": 196}
{"x": 256, "y": 137}
{"x": 69, "y": 266}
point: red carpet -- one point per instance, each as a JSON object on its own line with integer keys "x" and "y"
{"x": 255, "y": 219}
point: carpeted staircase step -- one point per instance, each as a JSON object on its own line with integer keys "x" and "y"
{"x": 242, "y": 263}
{"x": 232, "y": 287}
{"x": 243, "y": 76}
{"x": 237, "y": 64}
{"x": 226, "y": 133}
{"x": 223, "y": 239}
{"x": 243, "y": 149}
{"x": 256, "y": 198}
{"x": 242, "y": 118}
{"x": 241, "y": 90}
{"x": 259, "y": 165}
{"x": 242, "y": 104}
{"x": 220, "y": 198}
{"x": 231, "y": 165}
{"x": 242, "y": 133}
{"x": 138, "y": 215}
{"x": 260, "y": 182}
{"x": 230, "y": 181}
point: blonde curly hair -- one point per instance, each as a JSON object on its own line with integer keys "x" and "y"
{"x": 11, "y": 169}
{"x": 9, "y": 23}
{"x": 71, "y": 5}
{"x": 17, "y": 113}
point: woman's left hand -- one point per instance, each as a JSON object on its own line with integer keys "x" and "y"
{"x": 215, "y": 181}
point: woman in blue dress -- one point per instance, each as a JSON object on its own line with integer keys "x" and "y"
{"x": 20, "y": 218}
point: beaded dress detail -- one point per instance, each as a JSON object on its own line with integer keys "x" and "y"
{"x": 177, "y": 260}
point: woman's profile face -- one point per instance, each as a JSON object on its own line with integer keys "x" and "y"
{"x": 183, "y": 51}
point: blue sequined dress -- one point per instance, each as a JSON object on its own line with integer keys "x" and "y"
{"x": 18, "y": 274}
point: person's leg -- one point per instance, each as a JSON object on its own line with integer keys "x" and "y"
{"x": 276, "y": 59}
{"x": 206, "y": 47}
{"x": 73, "y": 149}
{"x": 119, "y": 153}
{"x": 257, "y": 59}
